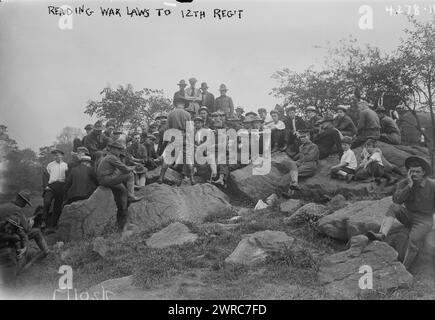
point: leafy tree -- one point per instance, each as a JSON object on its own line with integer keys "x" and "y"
{"x": 125, "y": 104}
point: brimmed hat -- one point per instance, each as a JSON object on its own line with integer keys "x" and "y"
{"x": 311, "y": 108}
{"x": 290, "y": 107}
{"x": 25, "y": 195}
{"x": 273, "y": 112}
{"x": 223, "y": 87}
{"x": 256, "y": 119}
{"x": 182, "y": 83}
{"x": 89, "y": 127}
{"x": 347, "y": 140}
{"x": 116, "y": 145}
{"x": 193, "y": 79}
{"x": 203, "y": 108}
{"x": 233, "y": 119}
{"x": 240, "y": 108}
{"x": 342, "y": 107}
{"x": 152, "y": 137}
{"x": 54, "y": 151}
{"x": 261, "y": 110}
{"x": 196, "y": 119}
{"x": 251, "y": 113}
{"x": 140, "y": 169}
{"x": 81, "y": 148}
{"x": 247, "y": 120}
{"x": 204, "y": 85}
{"x": 421, "y": 162}
{"x": 156, "y": 133}
{"x": 98, "y": 125}
{"x": 220, "y": 112}
{"x": 215, "y": 114}
{"x": 85, "y": 158}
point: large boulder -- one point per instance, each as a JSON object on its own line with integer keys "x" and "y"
{"x": 254, "y": 248}
{"x": 163, "y": 204}
{"x": 309, "y": 212}
{"x": 290, "y": 206}
{"x": 87, "y": 218}
{"x": 174, "y": 234}
{"x": 171, "y": 176}
{"x": 354, "y": 219}
{"x": 341, "y": 273}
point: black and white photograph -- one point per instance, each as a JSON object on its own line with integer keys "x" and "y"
{"x": 224, "y": 154}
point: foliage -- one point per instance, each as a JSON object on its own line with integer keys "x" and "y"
{"x": 23, "y": 171}
{"x": 127, "y": 105}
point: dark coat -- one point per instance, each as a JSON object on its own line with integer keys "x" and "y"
{"x": 80, "y": 183}
{"x": 345, "y": 125}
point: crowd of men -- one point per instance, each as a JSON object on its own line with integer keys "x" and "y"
{"x": 119, "y": 159}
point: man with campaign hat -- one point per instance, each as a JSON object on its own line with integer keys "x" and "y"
{"x": 53, "y": 189}
{"x": 81, "y": 181}
{"x": 207, "y": 98}
{"x": 224, "y": 102}
{"x": 328, "y": 139}
{"x": 413, "y": 205}
{"x": 180, "y": 95}
{"x": 193, "y": 97}
{"x": 114, "y": 174}
{"x": 343, "y": 122}
{"x": 390, "y": 132}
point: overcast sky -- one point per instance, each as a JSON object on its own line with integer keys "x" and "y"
{"x": 47, "y": 74}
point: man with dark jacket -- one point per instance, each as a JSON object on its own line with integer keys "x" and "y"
{"x": 207, "y": 98}
{"x": 293, "y": 124}
{"x": 96, "y": 141}
{"x": 328, "y": 139}
{"x": 81, "y": 182}
{"x": 344, "y": 123}
{"x": 390, "y": 132}
{"x": 368, "y": 124}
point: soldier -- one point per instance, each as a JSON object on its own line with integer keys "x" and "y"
{"x": 114, "y": 174}
{"x": 96, "y": 141}
{"x": 181, "y": 93}
{"x": 193, "y": 97}
{"x": 224, "y": 102}
{"x": 207, "y": 98}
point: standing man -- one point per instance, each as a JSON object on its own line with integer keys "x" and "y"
{"x": 81, "y": 182}
{"x": 193, "y": 97}
{"x": 368, "y": 124}
{"x": 114, "y": 174}
{"x": 180, "y": 94}
{"x": 223, "y": 102}
{"x": 344, "y": 123}
{"x": 53, "y": 185}
{"x": 390, "y": 132}
{"x": 413, "y": 205}
{"x": 207, "y": 98}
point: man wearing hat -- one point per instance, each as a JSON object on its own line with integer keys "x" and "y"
{"x": 96, "y": 141}
{"x": 305, "y": 162}
{"x": 75, "y": 161}
{"x": 390, "y": 132}
{"x": 413, "y": 205}
{"x": 262, "y": 113}
{"x": 114, "y": 174}
{"x": 312, "y": 119}
{"x": 293, "y": 124}
{"x": 207, "y": 98}
{"x": 224, "y": 102}
{"x": 344, "y": 123}
{"x": 15, "y": 233}
{"x": 239, "y": 113}
{"x": 152, "y": 157}
{"x": 81, "y": 182}
{"x": 53, "y": 185}
{"x": 328, "y": 139}
{"x": 368, "y": 124}
{"x": 193, "y": 97}
{"x": 180, "y": 95}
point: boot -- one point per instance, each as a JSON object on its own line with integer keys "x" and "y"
{"x": 130, "y": 188}
{"x": 294, "y": 180}
{"x": 42, "y": 245}
{"x": 162, "y": 174}
{"x": 410, "y": 255}
{"x": 387, "y": 222}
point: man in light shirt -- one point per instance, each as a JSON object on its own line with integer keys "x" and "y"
{"x": 193, "y": 96}
{"x": 53, "y": 185}
{"x": 277, "y": 128}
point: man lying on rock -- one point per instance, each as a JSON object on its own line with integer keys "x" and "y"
{"x": 413, "y": 205}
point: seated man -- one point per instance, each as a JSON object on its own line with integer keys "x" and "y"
{"x": 114, "y": 174}
{"x": 96, "y": 141}
{"x": 293, "y": 124}
{"x": 390, "y": 132}
{"x": 413, "y": 205}
{"x": 305, "y": 162}
{"x": 344, "y": 123}
{"x": 312, "y": 119}
{"x": 328, "y": 139}
{"x": 368, "y": 124}
{"x": 277, "y": 128}
{"x": 81, "y": 182}
{"x": 348, "y": 163}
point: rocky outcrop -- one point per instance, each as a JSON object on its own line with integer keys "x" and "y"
{"x": 354, "y": 219}
{"x": 87, "y": 218}
{"x": 310, "y": 212}
{"x": 256, "y": 247}
{"x": 290, "y": 206}
{"x": 171, "y": 176}
{"x": 163, "y": 204}
{"x": 173, "y": 235}
{"x": 345, "y": 274}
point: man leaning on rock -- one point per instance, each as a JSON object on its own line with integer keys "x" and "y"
{"x": 413, "y": 205}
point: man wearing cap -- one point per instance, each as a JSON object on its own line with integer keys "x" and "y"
{"x": 239, "y": 113}
{"x": 180, "y": 95}
{"x": 413, "y": 205}
{"x": 368, "y": 124}
{"x": 81, "y": 182}
{"x": 96, "y": 141}
{"x": 53, "y": 185}
{"x": 293, "y": 124}
{"x": 193, "y": 97}
{"x": 137, "y": 155}
{"x": 15, "y": 233}
{"x": 224, "y": 102}
{"x": 114, "y": 174}
{"x": 207, "y": 98}
{"x": 344, "y": 123}
{"x": 328, "y": 139}
{"x": 312, "y": 119}
{"x": 390, "y": 132}
{"x": 305, "y": 162}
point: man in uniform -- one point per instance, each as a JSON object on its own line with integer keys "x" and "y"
{"x": 181, "y": 93}
{"x": 413, "y": 205}
{"x": 207, "y": 98}
{"x": 224, "y": 102}
{"x": 96, "y": 141}
{"x": 114, "y": 174}
{"x": 193, "y": 97}
{"x": 81, "y": 182}
{"x": 328, "y": 139}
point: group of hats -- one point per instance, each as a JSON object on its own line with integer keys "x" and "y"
{"x": 183, "y": 83}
